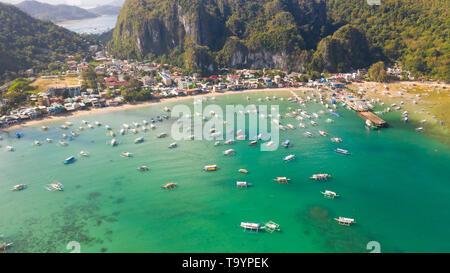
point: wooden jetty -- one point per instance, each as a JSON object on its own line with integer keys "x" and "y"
{"x": 374, "y": 119}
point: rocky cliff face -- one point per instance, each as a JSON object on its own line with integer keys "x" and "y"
{"x": 234, "y": 33}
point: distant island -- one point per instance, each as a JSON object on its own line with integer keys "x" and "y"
{"x": 61, "y": 13}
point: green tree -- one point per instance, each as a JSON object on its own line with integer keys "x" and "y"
{"x": 377, "y": 72}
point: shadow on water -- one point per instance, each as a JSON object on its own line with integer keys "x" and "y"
{"x": 333, "y": 237}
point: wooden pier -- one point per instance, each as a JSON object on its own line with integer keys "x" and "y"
{"x": 374, "y": 119}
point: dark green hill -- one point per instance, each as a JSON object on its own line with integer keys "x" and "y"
{"x": 26, "y": 42}
{"x": 332, "y": 35}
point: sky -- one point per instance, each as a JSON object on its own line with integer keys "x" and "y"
{"x": 79, "y": 3}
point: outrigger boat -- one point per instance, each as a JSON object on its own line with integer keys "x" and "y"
{"x": 114, "y": 142}
{"x": 63, "y": 143}
{"x": 290, "y": 126}
{"x": 166, "y": 109}
{"x": 107, "y": 127}
{"x": 271, "y": 227}
{"x": 342, "y": 151}
{"x": 69, "y": 160}
{"x": 302, "y": 125}
{"x": 336, "y": 140}
{"x": 162, "y": 135}
{"x": 289, "y": 158}
{"x": 90, "y": 126}
{"x": 142, "y": 168}
{"x": 44, "y": 128}
{"x": 5, "y": 245}
{"x": 122, "y": 131}
{"x": 287, "y": 143}
{"x": 229, "y": 152}
{"x": 55, "y": 187}
{"x": 313, "y": 123}
{"x": 134, "y": 131}
{"x": 322, "y": 176}
{"x": 126, "y": 126}
{"x": 242, "y": 184}
{"x": 139, "y": 140}
{"x": 329, "y": 194}
{"x": 217, "y": 143}
{"x": 152, "y": 126}
{"x": 37, "y": 143}
{"x": 19, "y": 187}
{"x": 308, "y": 134}
{"x": 243, "y": 171}
{"x": 253, "y": 143}
{"x": 282, "y": 180}
{"x": 83, "y": 153}
{"x": 111, "y": 133}
{"x": 64, "y": 127}
{"x": 229, "y": 142}
{"x": 173, "y": 145}
{"x": 345, "y": 221}
{"x": 210, "y": 168}
{"x": 169, "y": 186}
{"x": 323, "y": 133}
{"x": 255, "y": 227}
{"x": 98, "y": 124}
{"x": 49, "y": 140}
{"x": 127, "y": 154}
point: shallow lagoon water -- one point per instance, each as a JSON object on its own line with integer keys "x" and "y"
{"x": 394, "y": 184}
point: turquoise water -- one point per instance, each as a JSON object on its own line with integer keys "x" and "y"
{"x": 394, "y": 184}
{"x": 96, "y": 25}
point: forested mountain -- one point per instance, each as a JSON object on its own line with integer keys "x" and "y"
{"x": 26, "y": 42}
{"x": 303, "y": 35}
{"x": 105, "y": 10}
{"x": 54, "y": 13}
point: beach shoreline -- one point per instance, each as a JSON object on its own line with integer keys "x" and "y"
{"x": 127, "y": 106}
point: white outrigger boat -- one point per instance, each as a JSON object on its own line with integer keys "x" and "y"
{"x": 19, "y": 187}
{"x": 139, "y": 140}
{"x": 114, "y": 142}
{"x": 126, "y": 126}
{"x": 282, "y": 180}
{"x": 173, "y": 145}
{"x": 323, "y": 133}
{"x": 244, "y": 171}
{"x": 229, "y": 152}
{"x": 229, "y": 142}
{"x": 289, "y": 158}
{"x": 55, "y": 187}
{"x": 313, "y": 123}
{"x": 322, "y": 176}
{"x": 255, "y": 227}
{"x": 44, "y": 128}
{"x": 345, "y": 221}
{"x": 290, "y": 126}
{"x": 63, "y": 143}
{"x": 242, "y": 184}
{"x": 107, "y": 127}
{"x": 329, "y": 194}
{"x": 49, "y": 140}
{"x": 302, "y": 125}
{"x": 122, "y": 131}
{"x": 210, "y": 168}
{"x": 162, "y": 135}
{"x": 308, "y": 134}
{"x": 64, "y": 127}
{"x": 336, "y": 140}
{"x": 98, "y": 123}
{"x": 68, "y": 123}
{"x": 37, "y": 143}
{"x": 83, "y": 153}
{"x": 126, "y": 154}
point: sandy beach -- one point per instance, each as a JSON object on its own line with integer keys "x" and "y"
{"x": 93, "y": 111}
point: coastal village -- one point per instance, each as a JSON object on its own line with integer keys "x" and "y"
{"x": 60, "y": 96}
